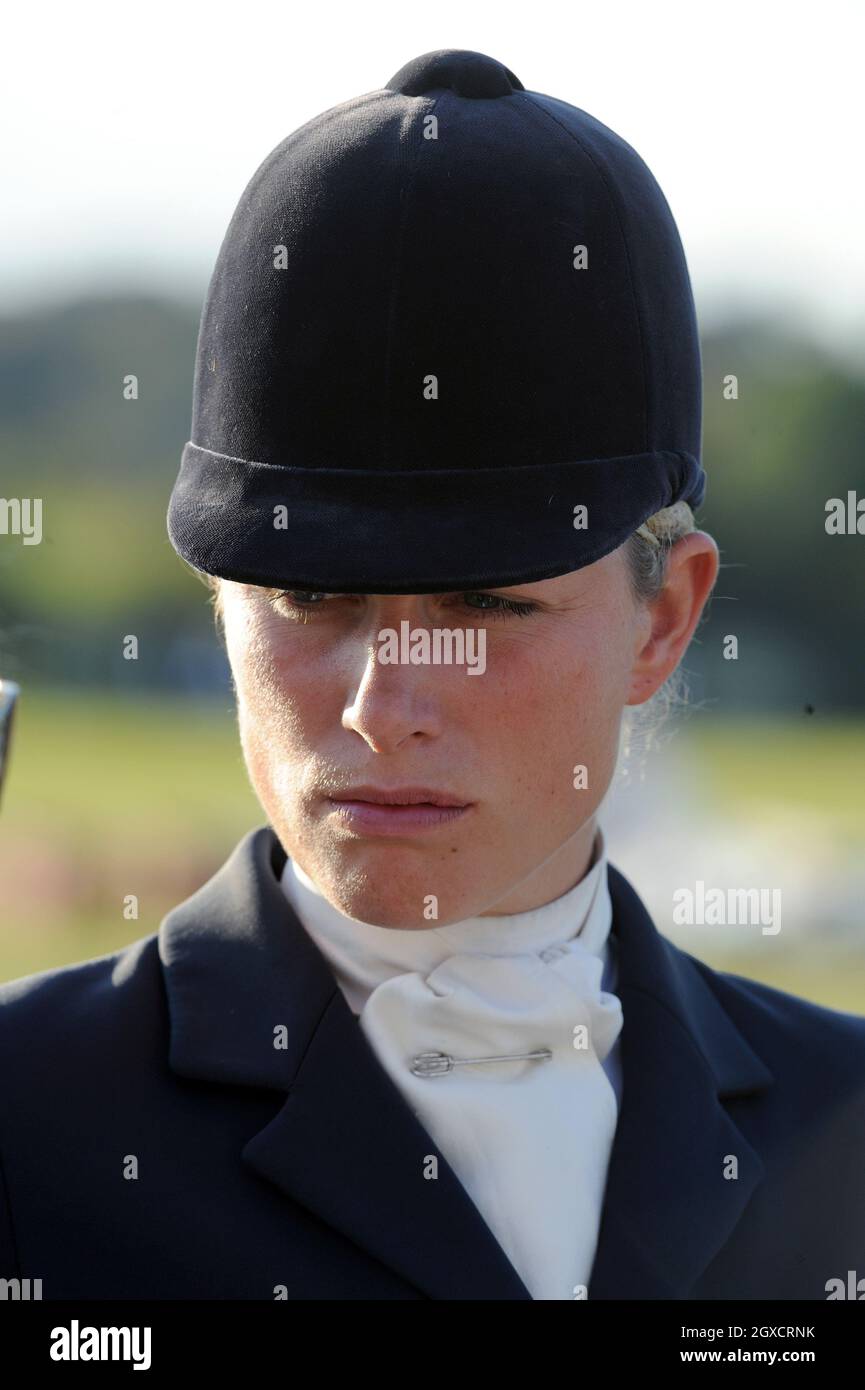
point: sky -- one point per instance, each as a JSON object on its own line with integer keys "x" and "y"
{"x": 129, "y": 132}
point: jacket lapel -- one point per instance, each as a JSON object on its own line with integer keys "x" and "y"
{"x": 253, "y": 1002}
{"x": 240, "y": 972}
{"x": 668, "y": 1208}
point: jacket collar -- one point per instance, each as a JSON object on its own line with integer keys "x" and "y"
{"x": 252, "y": 1002}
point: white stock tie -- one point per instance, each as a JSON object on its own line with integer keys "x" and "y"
{"x": 513, "y": 1130}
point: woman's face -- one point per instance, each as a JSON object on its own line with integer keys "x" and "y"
{"x": 319, "y": 713}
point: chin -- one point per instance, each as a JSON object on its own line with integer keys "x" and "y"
{"x": 401, "y": 913}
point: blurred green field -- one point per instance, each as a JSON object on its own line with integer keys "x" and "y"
{"x": 752, "y": 763}
{"x": 108, "y": 797}
{"x": 117, "y": 768}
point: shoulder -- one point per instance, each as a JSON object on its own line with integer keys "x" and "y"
{"x": 81, "y": 984}
{"x": 56, "y": 1019}
{"x": 791, "y": 1033}
{"x": 784, "y": 1029}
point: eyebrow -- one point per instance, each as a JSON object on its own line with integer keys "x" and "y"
{"x": 499, "y": 591}
{"x": 444, "y": 593}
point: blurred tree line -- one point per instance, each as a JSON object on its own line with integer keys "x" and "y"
{"x": 104, "y": 467}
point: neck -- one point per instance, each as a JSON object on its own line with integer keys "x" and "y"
{"x": 550, "y": 880}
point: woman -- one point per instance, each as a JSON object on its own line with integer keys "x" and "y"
{"x": 417, "y": 1038}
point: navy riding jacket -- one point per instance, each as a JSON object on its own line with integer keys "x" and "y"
{"x": 155, "y": 1144}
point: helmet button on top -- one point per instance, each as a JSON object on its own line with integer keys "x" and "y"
{"x": 464, "y": 72}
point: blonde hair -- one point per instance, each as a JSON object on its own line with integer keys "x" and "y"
{"x": 214, "y": 584}
{"x": 648, "y": 548}
{"x": 646, "y": 555}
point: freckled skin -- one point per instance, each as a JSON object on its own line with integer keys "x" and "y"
{"x": 317, "y": 712}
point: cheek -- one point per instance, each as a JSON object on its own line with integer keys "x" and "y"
{"x": 567, "y": 685}
{"x": 274, "y": 693}
{"x": 256, "y": 658}
{"x": 561, "y": 709}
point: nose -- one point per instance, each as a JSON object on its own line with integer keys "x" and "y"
{"x": 395, "y": 702}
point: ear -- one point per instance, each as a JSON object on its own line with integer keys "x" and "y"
{"x": 692, "y": 568}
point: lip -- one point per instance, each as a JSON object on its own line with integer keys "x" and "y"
{"x": 374, "y": 818}
{"x": 373, "y": 811}
{"x": 392, "y": 796}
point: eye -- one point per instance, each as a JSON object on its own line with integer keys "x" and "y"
{"x": 305, "y": 601}
{"x": 500, "y": 605}
{"x": 299, "y": 603}
{"x": 298, "y": 600}
{"x": 302, "y": 597}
